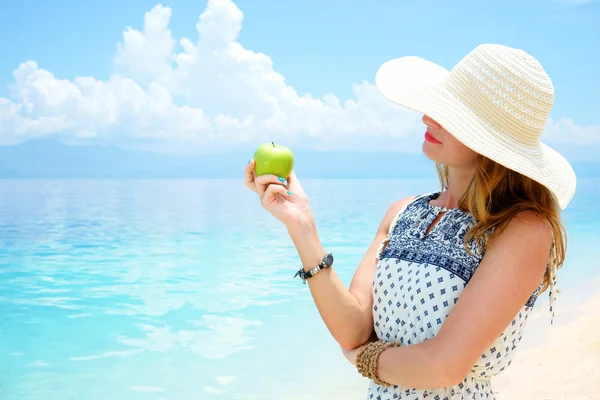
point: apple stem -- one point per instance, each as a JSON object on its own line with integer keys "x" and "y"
{"x": 273, "y": 144}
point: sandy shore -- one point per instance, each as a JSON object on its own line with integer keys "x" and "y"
{"x": 565, "y": 364}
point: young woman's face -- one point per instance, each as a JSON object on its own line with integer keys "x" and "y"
{"x": 440, "y": 146}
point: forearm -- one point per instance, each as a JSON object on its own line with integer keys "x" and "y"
{"x": 419, "y": 366}
{"x": 344, "y": 316}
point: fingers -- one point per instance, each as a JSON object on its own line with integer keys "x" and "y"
{"x": 263, "y": 181}
{"x": 271, "y": 193}
{"x": 269, "y": 178}
{"x": 294, "y": 184}
{"x": 260, "y": 184}
{"x": 249, "y": 176}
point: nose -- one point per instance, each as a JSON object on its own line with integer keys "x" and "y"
{"x": 430, "y": 122}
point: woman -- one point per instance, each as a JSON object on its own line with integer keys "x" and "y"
{"x": 438, "y": 304}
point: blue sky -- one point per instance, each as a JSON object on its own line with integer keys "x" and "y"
{"x": 319, "y": 48}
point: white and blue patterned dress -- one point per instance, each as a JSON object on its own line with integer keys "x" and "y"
{"x": 419, "y": 278}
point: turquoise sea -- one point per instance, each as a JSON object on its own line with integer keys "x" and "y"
{"x": 183, "y": 289}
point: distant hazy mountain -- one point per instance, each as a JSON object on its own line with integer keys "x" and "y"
{"x": 46, "y": 158}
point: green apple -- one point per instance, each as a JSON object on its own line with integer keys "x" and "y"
{"x": 272, "y": 158}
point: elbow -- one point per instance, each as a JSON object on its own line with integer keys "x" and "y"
{"x": 440, "y": 375}
{"x": 452, "y": 376}
{"x": 452, "y": 368}
{"x": 447, "y": 375}
{"x": 350, "y": 341}
{"x": 452, "y": 371}
{"x": 347, "y": 345}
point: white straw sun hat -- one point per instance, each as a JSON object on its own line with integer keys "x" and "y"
{"x": 495, "y": 101}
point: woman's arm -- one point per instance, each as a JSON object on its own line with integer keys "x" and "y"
{"x": 509, "y": 273}
{"x": 346, "y": 312}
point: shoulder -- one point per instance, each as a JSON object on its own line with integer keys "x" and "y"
{"x": 524, "y": 243}
{"x": 526, "y": 228}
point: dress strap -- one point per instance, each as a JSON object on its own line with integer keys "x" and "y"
{"x": 553, "y": 289}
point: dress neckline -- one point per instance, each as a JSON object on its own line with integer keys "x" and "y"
{"x": 435, "y": 195}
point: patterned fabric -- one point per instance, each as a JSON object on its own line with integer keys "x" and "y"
{"x": 418, "y": 280}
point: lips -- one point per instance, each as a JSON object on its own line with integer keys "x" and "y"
{"x": 430, "y": 138}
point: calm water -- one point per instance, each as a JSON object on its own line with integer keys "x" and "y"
{"x": 184, "y": 289}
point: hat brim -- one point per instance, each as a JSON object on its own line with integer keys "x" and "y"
{"x": 419, "y": 85}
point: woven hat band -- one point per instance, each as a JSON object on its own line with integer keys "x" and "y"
{"x": 509, "y": 91}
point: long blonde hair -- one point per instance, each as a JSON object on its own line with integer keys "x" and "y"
{"x": 496, "y": 194}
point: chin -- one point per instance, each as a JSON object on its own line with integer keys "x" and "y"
{"x": 430, "y": 153}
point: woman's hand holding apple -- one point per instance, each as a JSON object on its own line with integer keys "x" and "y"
{"x": 284, "y": 199}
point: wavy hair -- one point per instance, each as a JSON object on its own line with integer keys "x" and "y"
{"x": 496, "y": 194}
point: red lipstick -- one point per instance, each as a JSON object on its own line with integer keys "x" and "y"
{"x": 431, "y": 139}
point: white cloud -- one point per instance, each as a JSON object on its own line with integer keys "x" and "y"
{"x": 148, "y": 54}
{"x": 572, "y": 140}
{"x": 211, "y": 92}
{"x": 190, "y": 95}
{"x": 565, "y": 130}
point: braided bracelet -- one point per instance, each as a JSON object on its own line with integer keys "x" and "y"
{"x": 368, "y": 357}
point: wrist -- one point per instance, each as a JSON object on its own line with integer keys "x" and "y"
{"x": 302, "y": 225}
{"x": 369, "y": 359}
{"x": 306, "y": 240}
{"x": 303, "y": 232}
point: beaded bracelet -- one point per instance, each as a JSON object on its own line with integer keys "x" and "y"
{"x": 367, "y": 358}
